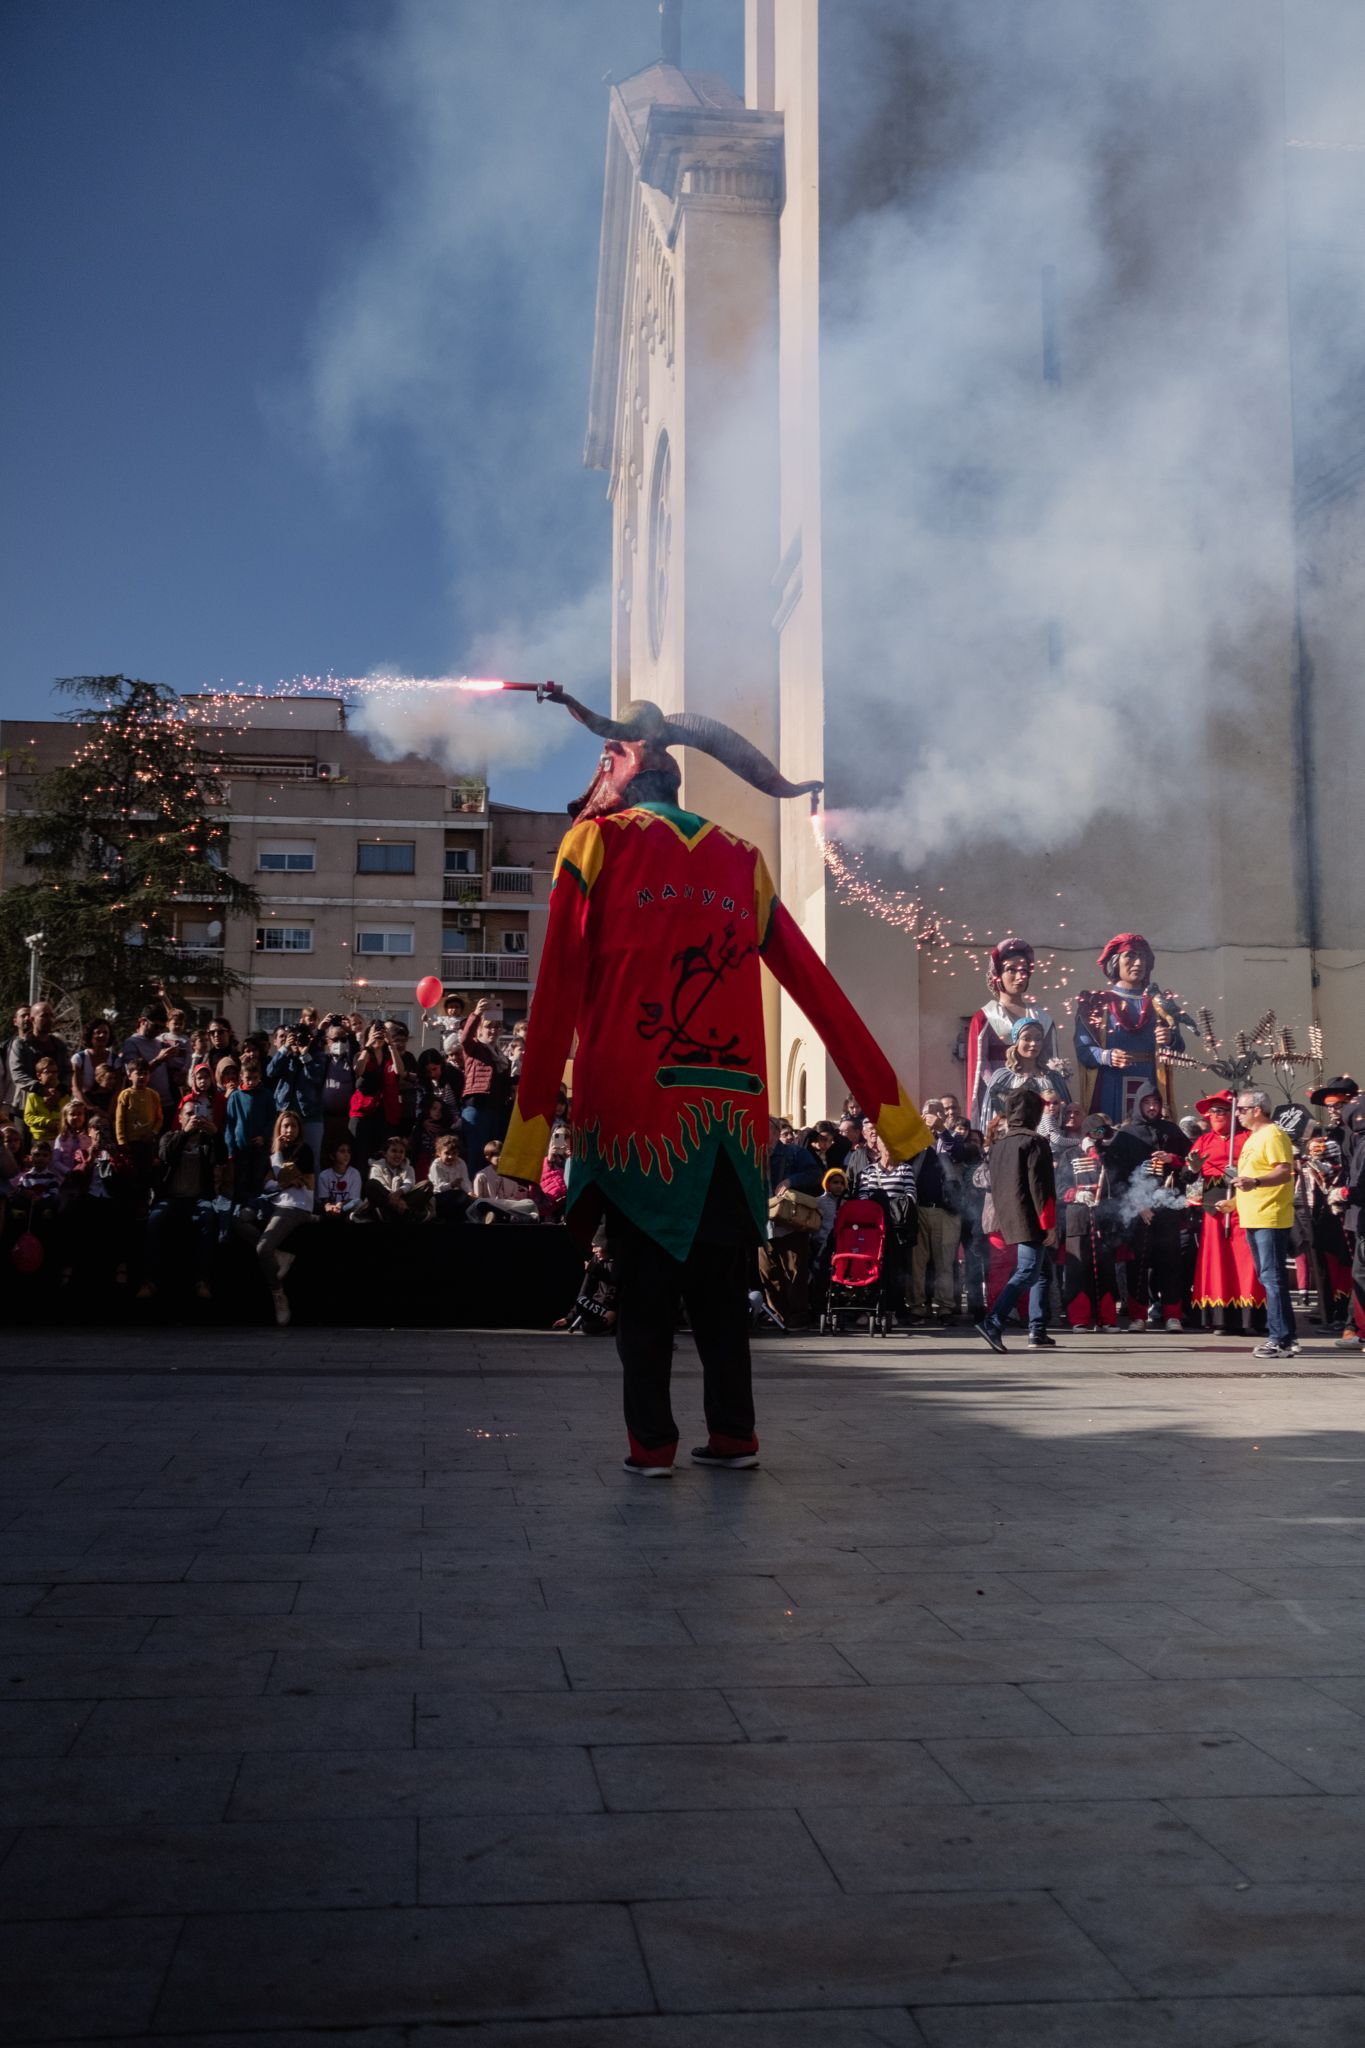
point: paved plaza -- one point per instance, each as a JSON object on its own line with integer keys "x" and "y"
{"x": 350, "y": 1685}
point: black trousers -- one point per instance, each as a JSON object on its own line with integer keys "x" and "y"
{"x": 1158, "y": 1266}
{"x": 713, "y": 1283}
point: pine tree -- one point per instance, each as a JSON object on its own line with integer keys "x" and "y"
{"x": 130, "y": 827}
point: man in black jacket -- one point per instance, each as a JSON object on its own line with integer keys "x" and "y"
{"x": 1144, "y": 1162}
{"x": 192, "y": 1171}
{"x": 1024, "y": 1191}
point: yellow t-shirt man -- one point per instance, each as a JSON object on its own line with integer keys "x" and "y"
{"x": 1265, "y": 1208}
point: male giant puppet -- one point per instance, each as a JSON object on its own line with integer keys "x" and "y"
{"x": 658, "y": 922}
{"x": 1122, "y": 1034}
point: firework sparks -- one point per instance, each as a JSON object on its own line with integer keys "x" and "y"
{"x": 944, "y": 941}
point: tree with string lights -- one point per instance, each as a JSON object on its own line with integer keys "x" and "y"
{"x": 128, "y": 829}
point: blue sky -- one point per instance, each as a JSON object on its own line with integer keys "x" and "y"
{"x": 296, "y": 333}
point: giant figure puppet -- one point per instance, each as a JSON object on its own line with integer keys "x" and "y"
{"x": 659, "y": 920}
{"x": 1122, "y": 1033}
{"x": 992, "y": 1028}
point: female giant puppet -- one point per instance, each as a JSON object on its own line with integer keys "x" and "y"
{"x": 991, "y": 1030}
{"x": 1121, "y": 1034}
{"x": 658, "y": 922}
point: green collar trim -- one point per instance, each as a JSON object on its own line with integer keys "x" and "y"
{"x": 689, "y": 823}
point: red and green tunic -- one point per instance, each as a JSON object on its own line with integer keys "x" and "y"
{"x": 658, "y": 923}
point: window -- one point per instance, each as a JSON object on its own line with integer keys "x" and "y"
{"x": 270, "y": 1016}
{"x": 459, "y": 860}
{"x": 386, "y": 857}
{"x": 454, "y": 942}
{"x": 284, "y": 938}
{"x": 389, "y": 941}
{"x": 286, "y": 856}
{"x": 514, "y": 942}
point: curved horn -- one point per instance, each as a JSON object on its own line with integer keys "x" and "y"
{"x": 642, "y": 720}
{"x": 724, "y": 744}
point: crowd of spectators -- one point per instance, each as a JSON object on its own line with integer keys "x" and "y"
{"x": 1062, "y": 1217}
{"x": 128, "y": 1162}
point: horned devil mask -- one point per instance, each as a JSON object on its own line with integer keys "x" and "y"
{"x": 637, "y": 744}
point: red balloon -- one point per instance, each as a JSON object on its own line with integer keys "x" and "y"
{"x": 430, "y": 989}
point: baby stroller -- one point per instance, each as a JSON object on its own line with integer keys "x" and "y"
{"x": 858, "y": 1271}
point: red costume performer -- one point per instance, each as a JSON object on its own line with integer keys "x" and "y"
{"x": 1225, "y": 1271}
{"x": 658, "y": 923}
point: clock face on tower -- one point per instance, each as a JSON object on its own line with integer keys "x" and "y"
{"x": 660, "y": 542}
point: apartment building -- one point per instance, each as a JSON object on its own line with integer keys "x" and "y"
{"x": 371, "y": 874}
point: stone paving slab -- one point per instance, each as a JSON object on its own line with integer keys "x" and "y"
{"x": 161, "y": 1727}
{"x": 1113, "y": 1766}
{"x": 448, "y": 1964}
{"x": 1005, "y": 1706}
{"x": 1200, "y": 1940}
{"x": 455, "y": 1720}
{"x": 887, "y": 1712}
{"x": 87, "y": 1979}
{"x": 1050, "y": 1845}
{"x": 77, "y": 1792}
{"x": 1155, "y": 2023}
{"x": 1242, "y": 1704}
{"x": 879, "y": 1951}
{"x": 628, "y": 1856}
{"x": 107, "y": 1872}
{"x": 772, "y": 1774}
{"x": 429, "y": 1783}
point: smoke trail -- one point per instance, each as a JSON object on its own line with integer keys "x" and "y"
{"x": 431, "y": 717}
{"x": 460, "y": 330}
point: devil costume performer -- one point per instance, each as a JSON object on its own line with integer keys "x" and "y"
{"x": 1225, "y": 1272}
{"x": 1124, "y": 1020}
{"x": 989, "y": 1032}
{"x": 658, "y": 922}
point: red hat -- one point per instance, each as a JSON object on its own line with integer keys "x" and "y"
{"x": 1009, "y": 949}
{"x": 1124, "y": 942}
{"x": 1222, "y": 1100}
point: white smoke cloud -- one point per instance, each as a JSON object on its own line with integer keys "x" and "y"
{"x": 1056, "y": 437}
{"x": 1034, "y": 583}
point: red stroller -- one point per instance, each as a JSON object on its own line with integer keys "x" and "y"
{"x": 858, "y": 1270}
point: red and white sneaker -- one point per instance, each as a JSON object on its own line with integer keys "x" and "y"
{"x": 731, "y": 1460}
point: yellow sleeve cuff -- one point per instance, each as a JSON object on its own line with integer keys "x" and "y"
{"x": 524, "y": 1147}
{"x": 902, "y": 1128}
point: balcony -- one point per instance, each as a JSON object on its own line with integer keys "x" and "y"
{"x": 202, "y": 964}
{"x": 504, "y": 970}
{"x": 461, "y": 888}
{"x": 512, "y": 882}
{"x": 469, "y": 797}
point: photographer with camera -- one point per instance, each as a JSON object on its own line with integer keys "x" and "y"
{"x": 296, "y": 1072}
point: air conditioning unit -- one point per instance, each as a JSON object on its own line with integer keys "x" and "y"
{"x": 468, "y": 921}
{"x": 328, "y": 770}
